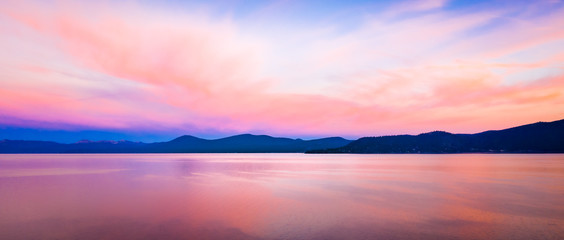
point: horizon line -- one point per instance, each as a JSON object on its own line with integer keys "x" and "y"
{"x": 267, "y": 135}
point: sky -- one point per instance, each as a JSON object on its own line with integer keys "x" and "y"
{"x": 154, "y": 70}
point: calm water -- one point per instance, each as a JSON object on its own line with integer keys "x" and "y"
{"x": 281, "y": 196}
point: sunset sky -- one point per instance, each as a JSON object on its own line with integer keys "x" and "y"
{"x": 154, "y": 70}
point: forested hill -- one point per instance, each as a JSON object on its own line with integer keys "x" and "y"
{"x": 541, "y": 137}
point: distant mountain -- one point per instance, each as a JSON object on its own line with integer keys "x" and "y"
{"x": 84, "y": 146}
{"x": 245, "y": 143}
{"x": 541, "y": 137}
{"x": 21, "y": 146}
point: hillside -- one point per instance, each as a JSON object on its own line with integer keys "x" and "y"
{"x": 541, "y": 137}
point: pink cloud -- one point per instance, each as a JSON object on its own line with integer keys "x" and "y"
{"x": 129, "y": 67}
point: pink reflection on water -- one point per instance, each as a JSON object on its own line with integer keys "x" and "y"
{"x": 281, "y": 196}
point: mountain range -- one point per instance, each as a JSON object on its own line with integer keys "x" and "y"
{"x": 245, "y": 143}
{"x": 541, "y": 137}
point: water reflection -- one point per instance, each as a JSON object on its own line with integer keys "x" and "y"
{"x": 281, "y": 196}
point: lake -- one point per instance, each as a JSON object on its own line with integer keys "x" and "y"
{"x": 281, "y": 196}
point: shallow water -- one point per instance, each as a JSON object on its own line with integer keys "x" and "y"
{"x": 281, "y": 196}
